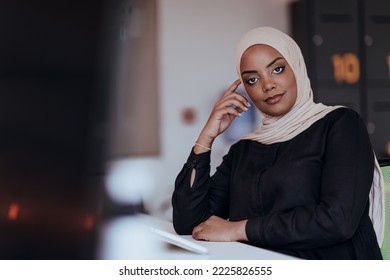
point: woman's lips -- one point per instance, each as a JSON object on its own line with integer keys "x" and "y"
{"x": 274, "y": 99}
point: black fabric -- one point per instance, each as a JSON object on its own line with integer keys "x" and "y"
{"x": 307, "y": 197}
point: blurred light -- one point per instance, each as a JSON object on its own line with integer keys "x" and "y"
{"x": 129, "y": 181}
{"x": 89, "y": 222}
{"x": 13, "y": 211}
{"x": 388, "y": 148}
{"x": 128, "y": 237}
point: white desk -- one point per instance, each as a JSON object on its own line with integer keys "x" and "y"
{"x": 130, "y": 238}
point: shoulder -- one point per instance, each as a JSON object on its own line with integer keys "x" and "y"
{"x": 340, "y": 123}
{"x": 238, "y": 146}
{"x": 344, "y": 115}
{"x": 345, "y": 123}
{"x": 344, "y": 112}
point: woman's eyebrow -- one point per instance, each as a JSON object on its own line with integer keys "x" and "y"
{"x": 273, "y": 61}
{"x": 249, "y": 72}
{"x": 268, "y": 65}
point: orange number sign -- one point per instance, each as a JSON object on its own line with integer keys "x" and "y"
{"x": 347, "y": 68}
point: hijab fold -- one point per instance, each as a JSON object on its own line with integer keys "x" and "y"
{"x": 304, "y": 112}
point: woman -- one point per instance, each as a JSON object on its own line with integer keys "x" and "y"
{"x": 300, "y": 184}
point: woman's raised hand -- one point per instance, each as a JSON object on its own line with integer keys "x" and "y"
{"x": 230, "y": 106}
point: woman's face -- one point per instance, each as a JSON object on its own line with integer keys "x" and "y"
{"x": 268, "y": 80}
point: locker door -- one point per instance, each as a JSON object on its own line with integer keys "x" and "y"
{"x": 377, "y": 53}
{"x": 335, "y": 37}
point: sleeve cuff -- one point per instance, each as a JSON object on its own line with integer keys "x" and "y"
{"x": 254, "y": 232}
{"x": 198, "y": 160}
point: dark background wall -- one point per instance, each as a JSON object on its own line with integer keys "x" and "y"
{"x": 52, "y": 127}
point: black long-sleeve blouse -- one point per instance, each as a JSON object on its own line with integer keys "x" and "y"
{"x": 306, "y": 197}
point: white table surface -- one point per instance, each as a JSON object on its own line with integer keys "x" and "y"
{"x": 131, "y": 238}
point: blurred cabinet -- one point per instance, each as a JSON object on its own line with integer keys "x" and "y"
{"x": 130, "y": 31}
{"x": 347, "y": 53}
{"x": 377, "y": 57}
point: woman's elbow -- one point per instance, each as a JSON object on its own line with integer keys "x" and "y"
{"x": 181, "y": 228}
{"x": 341, "y": 232}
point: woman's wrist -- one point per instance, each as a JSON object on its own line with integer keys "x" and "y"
{"x": 240, "y": 230}
{"x": 203, "y": 144}
{"x": 199, "y": 148}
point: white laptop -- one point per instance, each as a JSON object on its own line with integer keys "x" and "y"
{"x": 179, "y": 241}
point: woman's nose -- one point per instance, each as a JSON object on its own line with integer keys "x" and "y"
{"x": 268, "y": 85}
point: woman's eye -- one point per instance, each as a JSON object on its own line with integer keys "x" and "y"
{"x": 279, "y": 69}
{"x": 252, "y": 81}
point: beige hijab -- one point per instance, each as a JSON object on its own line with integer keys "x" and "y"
{"x": 304, "y": 113}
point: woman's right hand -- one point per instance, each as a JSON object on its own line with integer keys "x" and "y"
{"x": 230, "y": 106}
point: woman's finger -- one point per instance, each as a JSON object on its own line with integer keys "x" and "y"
{"x": 197, "y": 232}
{"x": 234, "y": 100}
{"x": 233, "y": 87}
{"x": 227, "y": 111}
